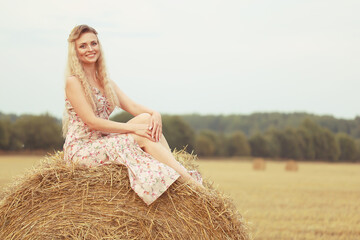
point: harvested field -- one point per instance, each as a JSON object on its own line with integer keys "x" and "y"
{"x": 318, "y": 202}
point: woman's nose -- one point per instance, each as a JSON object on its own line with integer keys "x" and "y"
{"x": 90, "y": 47}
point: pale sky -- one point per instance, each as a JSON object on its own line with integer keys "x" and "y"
{"x": 198, "y": 56}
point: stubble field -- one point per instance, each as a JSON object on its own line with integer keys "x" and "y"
{"x": 320, "y": 201}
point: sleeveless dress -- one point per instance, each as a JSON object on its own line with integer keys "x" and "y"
{"x": 149, "y": 178}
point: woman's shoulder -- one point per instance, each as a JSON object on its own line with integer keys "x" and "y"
{"x": 72, "y": 80}
{"x": 73, "y": 83}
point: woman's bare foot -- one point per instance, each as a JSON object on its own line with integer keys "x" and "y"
{"x": 193, "y": 183}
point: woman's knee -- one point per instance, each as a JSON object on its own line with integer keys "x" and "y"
{"x": 141, "y": 118}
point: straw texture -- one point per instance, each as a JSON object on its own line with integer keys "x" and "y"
{"x": 55, "y": 201}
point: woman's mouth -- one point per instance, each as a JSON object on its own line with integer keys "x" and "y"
{"x": 90, "y": 55}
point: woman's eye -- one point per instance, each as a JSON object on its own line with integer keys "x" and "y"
{"x": 94, "y": 43}
{"x": 82, "y": 46}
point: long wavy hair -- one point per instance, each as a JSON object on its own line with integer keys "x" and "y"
{"x": 75, "y": 68}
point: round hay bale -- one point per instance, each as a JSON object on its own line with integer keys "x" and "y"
{"x": 55, "y": 201}
{"x": 291, "y": 165}
{"x": 259, "y": 164}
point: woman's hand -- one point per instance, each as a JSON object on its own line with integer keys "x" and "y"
{"x": 156, "y": 126}
{"x": 143, "y": 130}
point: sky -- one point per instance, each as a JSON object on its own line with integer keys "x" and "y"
{"x": 198, "y": 56}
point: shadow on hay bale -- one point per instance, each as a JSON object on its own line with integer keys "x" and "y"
{"x": 291, "y": 165}
{"x": 54, "y": 201}
{"x": 259, "y": 164}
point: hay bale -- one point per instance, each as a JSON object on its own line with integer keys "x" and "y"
{"x": 291, "y": 165}
{"x": 259, "y": 164}
{"x": 54, "y": 201}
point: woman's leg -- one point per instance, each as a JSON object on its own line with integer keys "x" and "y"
{"x": 161, "y": 150}
{"x": 160, "y": 153}
{"x": 164, "y": 142}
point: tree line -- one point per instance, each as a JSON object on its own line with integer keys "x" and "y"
{"x": 312, "y": 139}
{"x": 30, "y": 132}
{"x": 261, "y": 122}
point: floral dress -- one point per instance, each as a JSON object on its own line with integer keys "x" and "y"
{"x": 149, "y": 178}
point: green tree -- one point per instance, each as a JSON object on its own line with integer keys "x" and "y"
{"x": 325, "y": 144}
{"x": 331, "y": 146}
{"x": 238, "y": 145}
{"x": 38, "y": 132}
{"x": 178, "y": 133}
{"x": 292, "y": 149}
{"x": 218, "y": 140}
{"x": 305, "y": 143}
{"x": 259, "y": 145}
{"x": 286, "y": 143}
{"x": 273, "y": 139}
{"x": 357, "y": 143}
{"x": 5, "y": 132}
{"x": 348, "y": 148}
{"x": 221, "y": 144}
{"x": 204, "y": 146}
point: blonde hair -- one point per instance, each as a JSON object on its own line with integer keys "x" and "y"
{"x": 75, "y": 68}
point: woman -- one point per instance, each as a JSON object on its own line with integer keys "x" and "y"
{"x": 92, "y": 139}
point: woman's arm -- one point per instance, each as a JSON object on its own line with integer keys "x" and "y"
{"x": 76, "y": 95}
{"x": 135, "y": 109}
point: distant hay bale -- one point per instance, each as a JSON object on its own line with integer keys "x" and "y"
{"x": 291, "y": 165}
{"x": 55, "y": 201}
{"x": 259, "y": 164}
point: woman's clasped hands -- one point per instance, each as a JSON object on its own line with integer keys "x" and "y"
{"x": 152, "y": 130}
{"x": 155, "y": 126}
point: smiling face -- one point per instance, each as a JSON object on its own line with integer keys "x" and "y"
{"x": 87, "y": 48}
